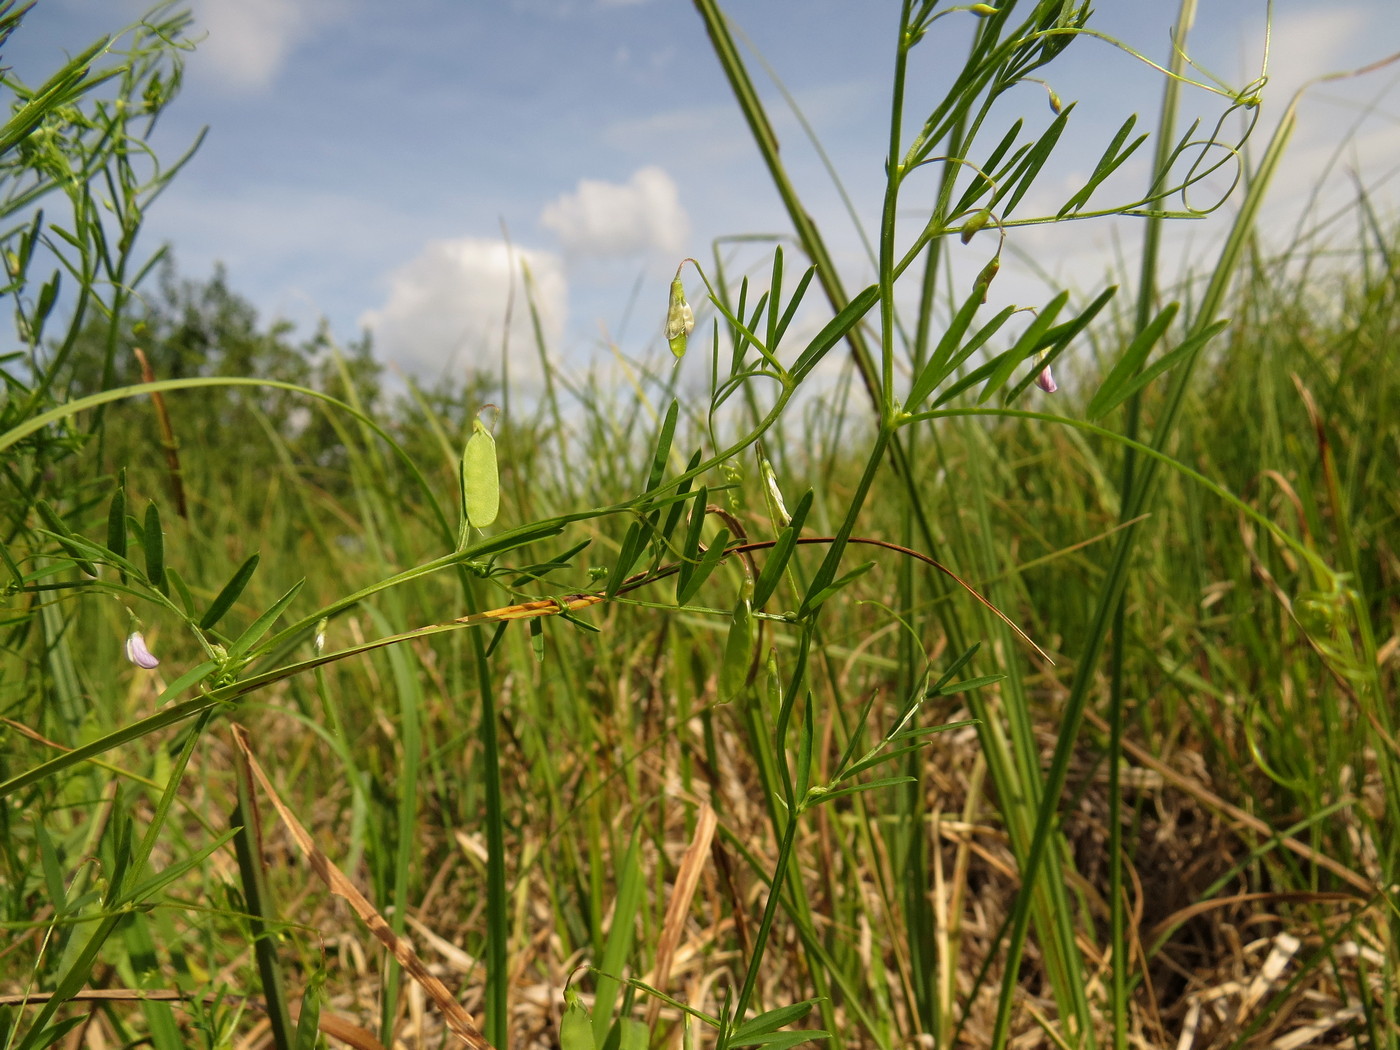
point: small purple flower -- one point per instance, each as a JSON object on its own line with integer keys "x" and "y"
{"x": 1045, "y": 380}
{"x": 137, "y": 652}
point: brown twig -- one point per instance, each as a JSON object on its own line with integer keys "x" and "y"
{"x": 458, "y": 1020}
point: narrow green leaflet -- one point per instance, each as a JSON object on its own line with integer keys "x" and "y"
{"x": 540, "y": 570}
{"x": 872, "y": 785}
{"x": 68, "y": 84}
{"x": 1130, "y": 361}
{"x": 633, "y": 543}
{"x": 663, "y": 445}
{"x": 1024, "y": 347}
{"x": 51, "y": 1035}
{"x": 776, "y": 564}
{"x": 150, "y": 887}
{"x": 981, "y": 185}
{"x": 1125, "y": 379}
{"x": 53, "y": 870}
{"x": 116, "y": 520}
{"x": 744, "y": 333}
{"x": 708, "y": 563}
{"x": 878, "y": 759}
{"x": 182, "y": 591}
{"x": 765, "y": 1029}
{"x": 1110, "y": 162}
{"x": 782, "y": 326}
{"x": 943, "y": 361}
{"x": 673, "y": 516}
{"x": 65, "y": 536}
{"x": 836, "y": 329}
{"x": 153, "y": 541}
{"x": 690, "y": 547}
{"x": 47, "y": 294}
{"x": 1028, "y": 171}
{"x": 230, "y": 594}
{"x": 805, "y": 747}
{"x": 815, "y": 599}
{"x": 1052, "y": 344}
{"x": 259, "y": 627}
{"x": 518, "y": 537}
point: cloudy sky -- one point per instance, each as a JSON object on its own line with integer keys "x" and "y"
{"x": 398, "y": 166}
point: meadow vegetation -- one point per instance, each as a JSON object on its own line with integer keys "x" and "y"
{"x": 929, "y": 710}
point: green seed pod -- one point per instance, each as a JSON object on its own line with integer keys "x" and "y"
{"x": 481, "y": 483}
{"x": 680, "y": 319}
{"x": 738, "y": 652}
{"x": 975, "y": 223}
{"x": 988, "y": 274}
{"x": 776, "y": 506}
{"x": 576, "y": 1027}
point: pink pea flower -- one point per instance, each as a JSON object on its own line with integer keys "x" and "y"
{"x": 137, "y": 652}
{"x": 1045, "y": 380}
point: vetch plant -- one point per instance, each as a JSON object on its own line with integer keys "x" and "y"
{"x": 519, "y": 716}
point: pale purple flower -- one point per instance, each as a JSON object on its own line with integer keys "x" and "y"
{"x": 137, "y": 652}
{"x": 1045, "y": 380}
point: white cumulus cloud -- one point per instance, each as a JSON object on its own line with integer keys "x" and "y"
{"x": 447, "y": 308}
{"x": 610, "y": 220}
{"x": 249, "y": 41}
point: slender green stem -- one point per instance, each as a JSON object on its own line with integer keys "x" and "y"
{"x": 765, "y": 926}
{"x": 1146, "y": 304}
{"x": 889, "y": 216}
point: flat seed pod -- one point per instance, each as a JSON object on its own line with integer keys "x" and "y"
{"x": 481, "y": 483}
{"x": 576, "y": 1028}
{"x": 738, "y": 652}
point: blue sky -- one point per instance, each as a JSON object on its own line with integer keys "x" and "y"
{"x": 364, "y": 158}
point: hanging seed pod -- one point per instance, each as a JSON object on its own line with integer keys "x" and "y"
{"x": 680, "y": 319}
{"x": 988, "y": 274}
